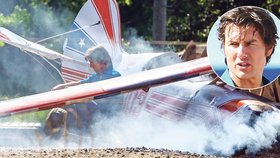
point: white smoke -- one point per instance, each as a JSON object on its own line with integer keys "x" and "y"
{"x": 154, "y": 132}
{"x": 151, "y": 131}
{"x": 134, "y": 44}
{"x": 23, "y": 73}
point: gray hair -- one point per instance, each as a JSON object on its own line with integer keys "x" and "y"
{"x": 98, "y": 54}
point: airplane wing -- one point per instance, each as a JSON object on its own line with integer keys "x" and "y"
{"x": 117, "y": 85}
{"x": 23, "y": 44}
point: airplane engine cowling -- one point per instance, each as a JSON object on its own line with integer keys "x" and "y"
{"x": 211, "y": 104}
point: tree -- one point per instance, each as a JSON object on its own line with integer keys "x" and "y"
{"x": 159, "y": 20}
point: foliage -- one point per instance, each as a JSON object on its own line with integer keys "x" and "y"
{"x": 194, "y": 20}
{"x": 125, "y": 2}
{"x": 187, "y": 19}
{"x": 137, "y": 15}
{"x": 27, "y": 117}
{"x": 19, "y": 19}
{"x": 2, "y": 44}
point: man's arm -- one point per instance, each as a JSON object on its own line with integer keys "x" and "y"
{"x": 78, "y": 101}
{"x": 65, "y": 85}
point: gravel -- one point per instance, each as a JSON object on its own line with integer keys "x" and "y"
{"x": 98, "y": 153}
{"x": 141, "y": 152}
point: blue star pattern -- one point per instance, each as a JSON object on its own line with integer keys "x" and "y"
{"x": 79, "y": 41}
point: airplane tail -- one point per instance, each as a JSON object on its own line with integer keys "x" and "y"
{"x": 97, "y": 23}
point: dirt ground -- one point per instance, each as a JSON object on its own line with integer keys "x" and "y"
{"x": 140, "y": 152}
{"x": 98, "y": 153}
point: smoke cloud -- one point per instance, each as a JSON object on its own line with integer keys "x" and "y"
{"x": 154, "y": 132}
{"x": 135, "y": 44}
{"x": 147, "y": 130}
{"x": 23, "y": 73}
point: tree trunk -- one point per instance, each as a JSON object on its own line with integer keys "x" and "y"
{"x": 159, "y": 20}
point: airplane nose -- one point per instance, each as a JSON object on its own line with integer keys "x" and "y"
{"x": 249, "y": 110}
{"x": 257, "y": 110}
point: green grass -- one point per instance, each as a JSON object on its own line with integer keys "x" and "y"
{"x": 4, "y": 98}
{"x": 39, "y": 117}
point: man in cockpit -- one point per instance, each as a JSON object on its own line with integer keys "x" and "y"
{"x": 79, "y": 116}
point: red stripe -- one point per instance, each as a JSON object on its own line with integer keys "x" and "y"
{"x": 4, "y": 36}
{"x": 71, "y": 75}
{"x": 233, "y": 105}
{"x": 104, "y": 12}
{"x": 68, "y": 80}
{"x": 73, "y": 72}
{"x": 162, "y": 112}
{"x": 134, "y": 102}
{"x": 67, "y": 76}
{"x": 172, "y": 101}
{"x": 48, "y": 100}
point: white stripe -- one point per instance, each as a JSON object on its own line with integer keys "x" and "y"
{"x": 70, "y": 77}
{"x": 157, "y": 114}
{"x": 75, "y": 71}
{"x": 73, "y": 76}
{"x": 166, "y": 106}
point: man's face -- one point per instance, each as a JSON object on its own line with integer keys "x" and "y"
{"x": 245, "y": 52}
{"x": 96, "y": 66}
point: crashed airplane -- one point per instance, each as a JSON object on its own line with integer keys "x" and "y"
{"x": 158, "y": 84}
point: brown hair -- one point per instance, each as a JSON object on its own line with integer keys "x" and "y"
{"x": 247, "y": 16}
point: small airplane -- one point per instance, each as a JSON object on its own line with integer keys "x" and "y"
{"x": 156, "y": 83}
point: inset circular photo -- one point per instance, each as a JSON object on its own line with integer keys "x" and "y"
{"x": 243, "y": 47}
